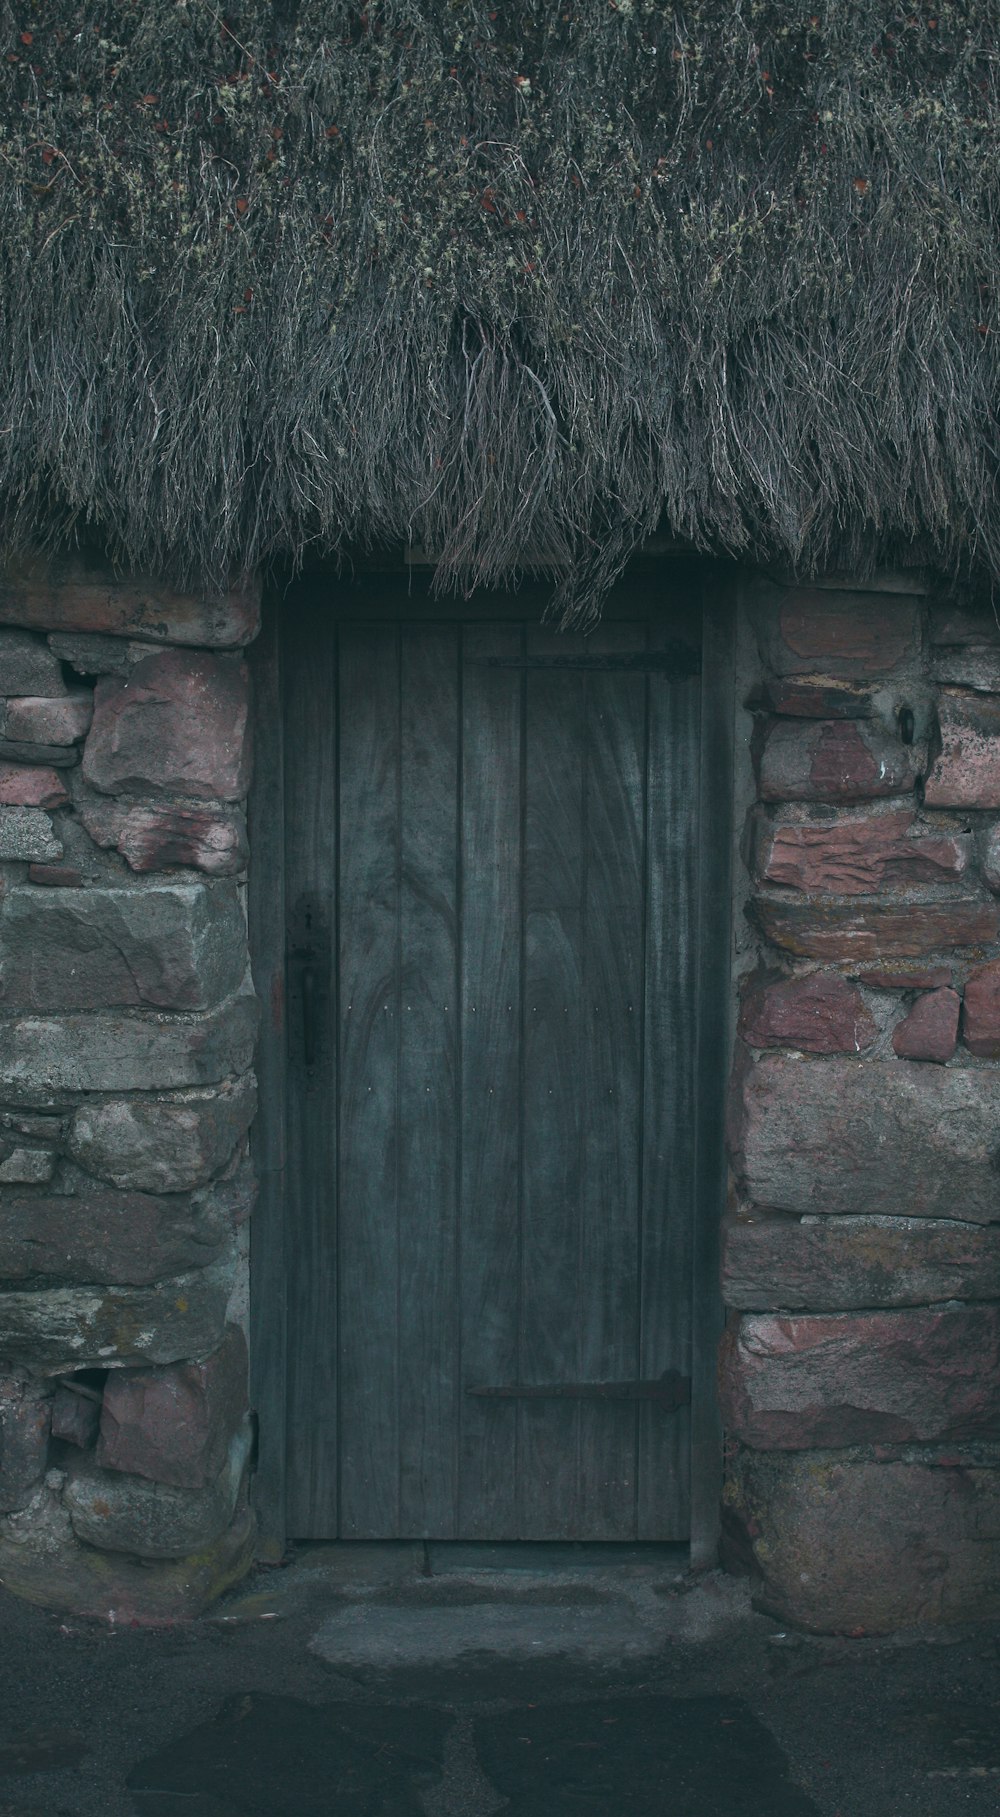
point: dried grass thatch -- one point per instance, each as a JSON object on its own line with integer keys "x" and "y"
{"x": 539, "y": 275}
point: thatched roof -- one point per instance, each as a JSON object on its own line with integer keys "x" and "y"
{"x": 540, "y": 275}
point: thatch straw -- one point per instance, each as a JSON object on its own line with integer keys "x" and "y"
{"x": 503, "y": 279}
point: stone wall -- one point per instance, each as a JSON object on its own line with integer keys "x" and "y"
{"x": 860, "y": 1369}
{"x": 127, "y": 1028}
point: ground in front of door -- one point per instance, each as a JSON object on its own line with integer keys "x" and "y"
{"x": 412, "y": 1681}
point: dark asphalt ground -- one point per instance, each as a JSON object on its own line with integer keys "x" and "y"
{"x": 333, "y": 1689}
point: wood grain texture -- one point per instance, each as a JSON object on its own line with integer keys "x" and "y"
{"x": 429, "y": 1131}
{"x": 506, "y": 1123}
{"x": 492, "y": 789}
{"x": 370, "y": 867}
{"x": 310, "y": 820}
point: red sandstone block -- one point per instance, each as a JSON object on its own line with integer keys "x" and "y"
{"x": 930, "y": 1031}
{"x": 174, "y": 1425}
{"x": 868, "y": 1137}
{"x": 833, "y": 760}
{"x": 153, "y": 837}
{"x": 849, "y": 1543}
{"x": 855, "y": 933}
{"x": 23, "y": 785}
{"x": 981, "y": 1031}
{"x": 819, "y": 1014}
{"x": 906, "y": 978}
{"x": 812, "y": 629}
{"x": 774, "y": 1261}
{"x": 813, "y": 697}
{"x": 56, "y": 876}
{"x": 66, "y": 595}
{"x": 856, "y": 856}
{"x": 791, "y": 1382}
{"x": 176, "y": 725}
{"x": 35, "y": 720}
{"x": 966, "y": 774}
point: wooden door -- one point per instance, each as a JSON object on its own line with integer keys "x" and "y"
{"x": 491, "y": 838}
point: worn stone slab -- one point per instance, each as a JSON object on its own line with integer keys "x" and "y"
{"x": 54, "y": 1330}
{"x": 833, "y": 760}
{"x": 849, "y": 634}
{"x": 89, "y": 653}
{"x": 966, "y": 773}
{"x": 76, "y": 1416}
{"x": 930, "y": 1031}
{"x": 169, "y": 946}
{"x": 26, "y": 751}
{"x": 149, "y": 1519}
{"x": 27, "y": 1167}
{"x": 176, "y": 725}
{"x": 963, "y": 625}
{"x": 981, "y": 1026}
{"x": 773, "y": 1261}
{"x": 68, "y": 595}
{"x": 842, "y": 1543}
{"x": 866, "y": 1136}
{"x": 40, "y": 720}
{"x": 31, "y": 788}
{"x": 26, "y": 836}
{"x": 42, "y": 1057}
{"x": 42, "y": 1561}
{"x": 967, "y": 668}
{"x": 28, "y": 666}
{"x": 55, "y": 876}
{"x": 795, "y": 1381}
{"x": 857, "y": 856}
{"x": 176, "y": 1425}
{"x": 25, "y": 1415}
{"x": 860, "y": 933}
{"x": 163, "y": 1144}
{"x": 818, "y": 1014}
{"x": 897, "y": 975}
{"x": 126, "y": 1238}
{"x": 156, "y": 837}
{"x": 814, "y": 697}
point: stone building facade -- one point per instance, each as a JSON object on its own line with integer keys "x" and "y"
{"x": 860, "y": 1365}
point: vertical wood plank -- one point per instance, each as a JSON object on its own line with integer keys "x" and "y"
{"x": 429, "y": 1126}
{"x": 369, "y": 1069}
{"x": 613, "y": 840}
{"x": 310, "y": 908}
{"x": 491, "y": 1110}
{"x": 668, "y": 1181}
{"x": 713, "y": 1057}
{"x": 553, "y": 1037}
{"x": 266, "y": 916}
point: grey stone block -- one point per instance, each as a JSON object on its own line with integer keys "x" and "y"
{"x": 28, "y": 666}
{"x": 27, "y": 1167}
{"x": 25, "y": 1414}
{"x": 163, "y": 1144}
{"x": 153, "y": 1520}
{"x": 54, "y": 1330}
{"x": 127, "y": 1238}
{"x": 172, "y": 946}
{"x": 26, "y": 837}
{"x": 45, "y": 1059}
{"x": 899, "y": 1138}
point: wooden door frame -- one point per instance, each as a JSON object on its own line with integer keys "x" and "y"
{"x": 713, "y": 1045}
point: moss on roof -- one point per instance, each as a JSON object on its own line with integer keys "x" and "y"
{"x": 501, "y": 278}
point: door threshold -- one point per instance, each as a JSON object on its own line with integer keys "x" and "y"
{"x": 362, "y": 1562}
{"x": 548, "y": 1557}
